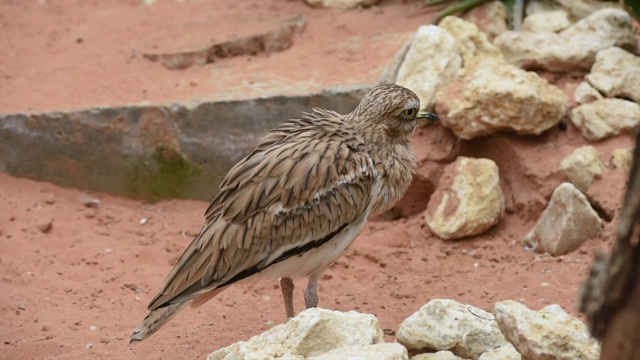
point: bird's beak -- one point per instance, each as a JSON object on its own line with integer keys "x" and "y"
{"x": 428, "y": 117}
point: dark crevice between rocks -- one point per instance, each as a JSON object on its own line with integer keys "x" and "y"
{"x": 602, "y": 213}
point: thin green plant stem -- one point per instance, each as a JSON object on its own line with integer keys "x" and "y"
{"x": 436, "y": 2}
{"x": 460, "y": 7}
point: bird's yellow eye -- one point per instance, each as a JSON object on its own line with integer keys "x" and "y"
{"x": 409, "y": 114}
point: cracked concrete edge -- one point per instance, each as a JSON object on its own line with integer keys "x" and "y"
{"x": 277, "y": 39}
{"x": 146, "y": 151}
{"x": 391, "y": 72}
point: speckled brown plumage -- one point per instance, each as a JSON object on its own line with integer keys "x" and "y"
{"x": 296, "y": 202}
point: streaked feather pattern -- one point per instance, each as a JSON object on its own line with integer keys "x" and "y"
{"x": 276, "y": 196}
{"x": 297, "y": 201}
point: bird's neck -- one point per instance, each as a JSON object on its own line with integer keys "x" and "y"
{"x": 396, "y": 163}
{"x": 393, "y": 157}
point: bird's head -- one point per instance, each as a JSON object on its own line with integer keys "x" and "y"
{"x": 392, "y": 110}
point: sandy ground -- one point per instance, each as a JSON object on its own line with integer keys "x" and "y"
{"x": 78, "y": 289}
{"x": 77, "y": 269}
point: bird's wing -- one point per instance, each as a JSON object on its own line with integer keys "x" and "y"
{"x": 305, "y": 182}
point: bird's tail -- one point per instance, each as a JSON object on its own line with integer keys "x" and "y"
{"x": 155, "y": 319}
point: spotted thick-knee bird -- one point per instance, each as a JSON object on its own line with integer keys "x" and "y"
{"x": 297, "y": 202}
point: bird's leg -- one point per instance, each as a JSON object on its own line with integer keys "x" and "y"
{"x": 310, "y": 295}
{"x": 286, "y": 285}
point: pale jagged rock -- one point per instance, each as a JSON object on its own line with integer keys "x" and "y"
{"x": 621, "y": 159}
{"x": 616, "y": 73}
{"x": 438, "y": 355}
{"x": 468, "y": 200}
{"x": 550, "y": 333}
{"x": 604, "y": 118}
{"x": 380, "y": 351}
{"x": 432, "y": 60}
{"x": 342, "y": 4}
{"x": 552, "y": 21}
{"x": 444, "y": 324}
{"x": 610, "y": 26}
{"x": 537, "y": 6}
{"x": 313, "y": 332}
{"x": 582, "y": 167}
{"x": 471, "y": 41}
{"x": 492, "y": 95}
{"x": 490, "y": 17}
{"x": 585, "y": 93}
{"x": 574, "y": 48}
{"x": 506, "y": 352}
{"x": 566, "y": 223}
{"x": 579, "y": 9}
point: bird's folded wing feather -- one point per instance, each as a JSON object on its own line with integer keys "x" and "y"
{"x": 306, "y": 181}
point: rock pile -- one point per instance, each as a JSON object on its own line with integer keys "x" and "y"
{"x": 481, "y": 89}
{"x": 441, "y": 329}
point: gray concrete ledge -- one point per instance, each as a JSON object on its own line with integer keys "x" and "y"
{"x": 149, "y": 152}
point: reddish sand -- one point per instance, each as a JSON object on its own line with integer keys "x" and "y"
{"x": 87, "y": 280}
{"x": 78, "y": 289}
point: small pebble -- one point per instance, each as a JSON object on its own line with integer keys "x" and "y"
{"x": 45, "y": 227}
{"x": 143, "y": 221}
{"x": 90, "y": 213}
{"x": 93, "y": 328}
{"x": 22, "y": 306}
{"x": 89, "y": 345}
{"x": 90, "y": 202}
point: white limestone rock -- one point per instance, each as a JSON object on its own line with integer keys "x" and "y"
{"x": 467, "y": 201}
{"x": 342, "y": 4}
{"x": 604, "y": 118}
{"x": 583, "y": 167}
{"x": 438, "y": 355}
{"x": 506, "y": 352}
{"x": 492, "y": 96}
{"x": 552, "y": 21}
{"x": 622, "y": 159}
{"x": 585, "y": 93}
{"x": 538, "y": 6}
{"x": 432, "y": 60}
{"x": 616, "y": 73}
{"x": 472, "y": 43}
{"x": 490, "y": 17}
{"x": 574, "y": 48}
{"x": 444, "y": 324}
{"x": 579, "y": 9}
{"x": 566, "y": 223}
{"x": 380, "y": 351}
{"x": 313, "y": 332}
{"x": 549, "y": 334}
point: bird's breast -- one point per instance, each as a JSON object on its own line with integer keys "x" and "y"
{"x": 395, "y": 175}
